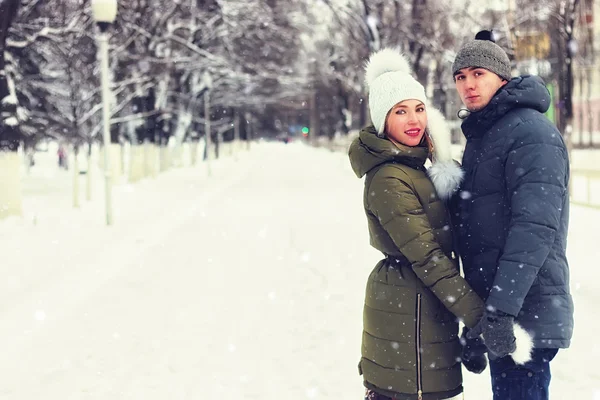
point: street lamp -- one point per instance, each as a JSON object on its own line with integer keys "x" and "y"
{"x": 105, "y": 12}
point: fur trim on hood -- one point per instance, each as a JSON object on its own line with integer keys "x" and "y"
{"x": 445, "y": 173}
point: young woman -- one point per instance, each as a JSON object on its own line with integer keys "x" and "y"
{"x": 415, "y": 295}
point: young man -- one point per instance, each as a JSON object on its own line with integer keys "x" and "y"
{"x": 512, "y": 215}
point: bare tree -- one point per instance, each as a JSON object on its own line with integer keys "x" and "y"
{"x": 9, "y": 131}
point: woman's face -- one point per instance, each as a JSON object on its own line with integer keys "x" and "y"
{"x": 406, "y": 122}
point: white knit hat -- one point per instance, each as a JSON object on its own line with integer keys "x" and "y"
{"x": 389, "y": 79}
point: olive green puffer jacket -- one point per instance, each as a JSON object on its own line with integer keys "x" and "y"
{"x": 414, "y": 297}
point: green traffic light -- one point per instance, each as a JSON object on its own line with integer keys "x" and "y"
{"x": 305, "y": 130}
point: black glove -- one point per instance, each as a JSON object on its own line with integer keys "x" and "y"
{"x": 473, "y": 353}
{"x": 497, "y": 330}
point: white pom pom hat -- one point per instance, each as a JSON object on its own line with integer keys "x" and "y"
{"x": 389, "y": 79}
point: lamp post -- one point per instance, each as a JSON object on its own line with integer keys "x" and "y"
{"x": 105, "y": 12}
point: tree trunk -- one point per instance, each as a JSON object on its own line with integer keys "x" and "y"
{"x": 136, "y": 162}
{"x": 207, "y": 132}
{"x": 590, "y": 114}
{"x": 76, "y": 202}
{"x": 218, "y": 144}
{"x": 580, "y": 107}
{"x": 566, "y": 120}
{"x": 10, "y": 137}
{"x": 152, "y": 120}
{"x": 9, "y": 132}
{"x": 165, "y": 159}
{"x": 194, "y": 151}
{"x": 10, "y": 176}
{"x": 28, "y": 153}
{"x": 314, "y": 117}
{"x": 10, "y": 195}
{"x": 115, "y": 132}
{"x": 141, "y": 132}
{"x": 248, "y": 129}
{"x": 343, "y": 111}
{"x": 236, "y": 130}
{"x": 150, "y": 163}
{"x": 116, "y": 156}
{"x": 362, "y": 121}
{"x": 88, "y": 176}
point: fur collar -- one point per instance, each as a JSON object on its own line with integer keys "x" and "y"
{"x": 445, "y": 173}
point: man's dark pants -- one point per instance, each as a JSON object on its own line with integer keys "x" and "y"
{"x": 529, "y": 381}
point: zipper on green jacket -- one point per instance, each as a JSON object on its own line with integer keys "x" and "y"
{"x": 418, "y": 341}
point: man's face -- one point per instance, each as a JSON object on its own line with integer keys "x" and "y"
{"x": 476, "y": 86}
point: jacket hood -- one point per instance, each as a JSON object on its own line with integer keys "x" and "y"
{"x": 368, "y": 151}
{"x": 522, "y": 92}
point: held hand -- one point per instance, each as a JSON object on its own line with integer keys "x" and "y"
{"x": 497, "y": 330}
{"x": 473, "y": 353}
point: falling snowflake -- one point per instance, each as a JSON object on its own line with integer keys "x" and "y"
{"x": 556, "y": 302}
{"x": 262, "y": 233}
{"x": 40, "y": 315}
{"x": 312, "y": 393}
{"x": 465, "y": 195}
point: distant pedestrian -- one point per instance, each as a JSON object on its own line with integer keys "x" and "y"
{"x": 62, "y": 157}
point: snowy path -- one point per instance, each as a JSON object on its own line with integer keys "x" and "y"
{"x": 245, "y": 285}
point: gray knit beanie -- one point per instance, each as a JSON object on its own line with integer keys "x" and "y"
{"x": 483, "y": 53}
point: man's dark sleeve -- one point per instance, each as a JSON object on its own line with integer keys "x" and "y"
{"x": 536, "y": 176}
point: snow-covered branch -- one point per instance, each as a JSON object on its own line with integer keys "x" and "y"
{"x": 46, "y": 32}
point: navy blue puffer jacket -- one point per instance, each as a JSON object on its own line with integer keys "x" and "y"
{"x": 513, "y": 211}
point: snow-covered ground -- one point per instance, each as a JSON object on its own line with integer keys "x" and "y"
{"x": 247, "y": 284}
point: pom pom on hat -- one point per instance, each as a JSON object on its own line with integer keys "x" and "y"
{"x": 389, "y": 78}
{"x": 383, "y": 61}
{"x": 485, "y": 35}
